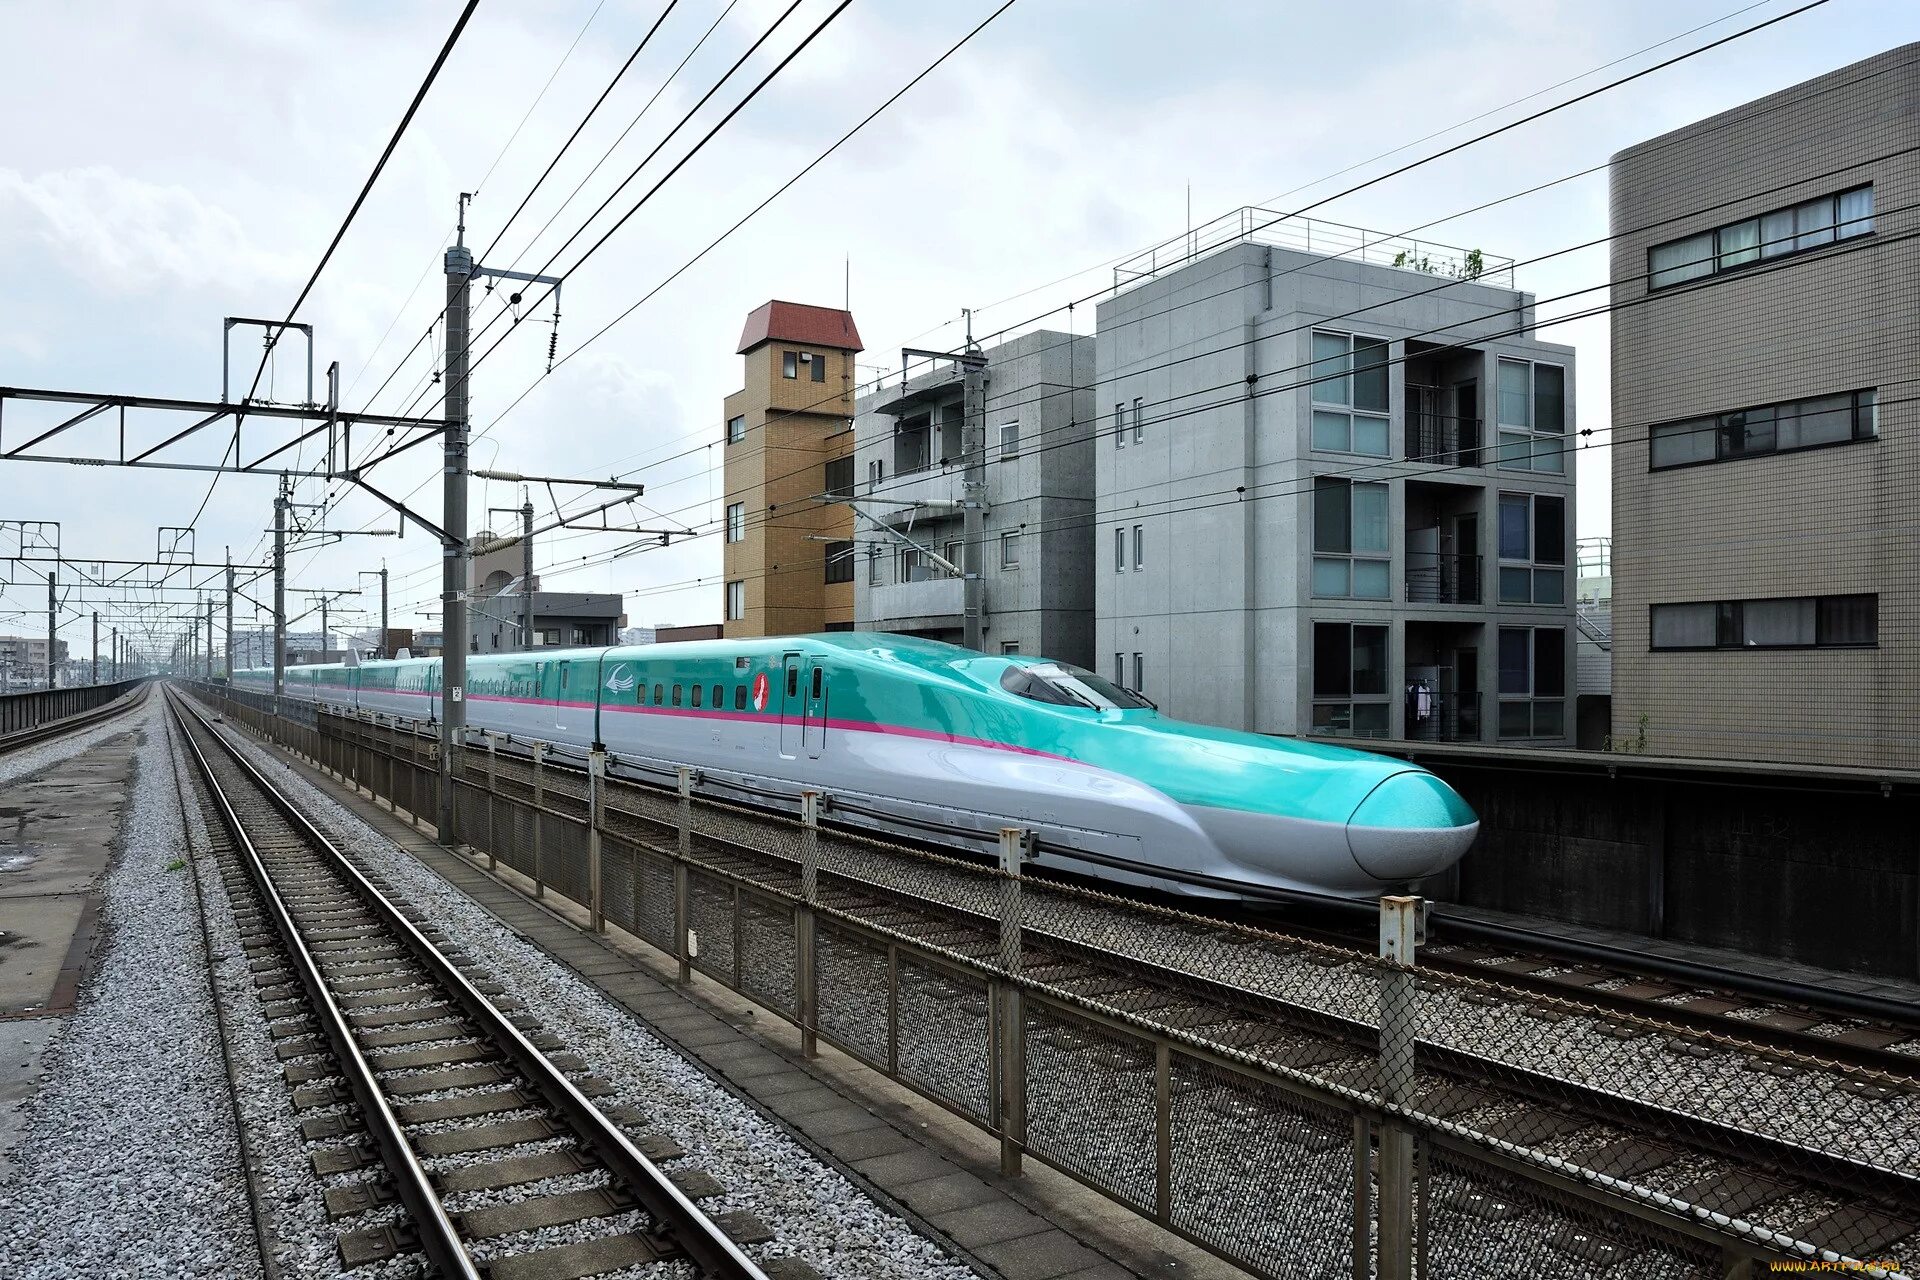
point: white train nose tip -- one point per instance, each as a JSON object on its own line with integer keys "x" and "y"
{"x": 1410, "y": 825}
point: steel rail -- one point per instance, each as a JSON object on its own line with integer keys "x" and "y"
{"x": 676, "y": 1217}
{"x": 439, "y": 1238}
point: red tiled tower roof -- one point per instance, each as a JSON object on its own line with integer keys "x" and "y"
{"x": 797, "y": 322}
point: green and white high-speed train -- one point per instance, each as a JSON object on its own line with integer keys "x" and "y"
{"x": 938, "y": 742}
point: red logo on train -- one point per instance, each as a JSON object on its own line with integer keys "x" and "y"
{"x": 762, "y": 687}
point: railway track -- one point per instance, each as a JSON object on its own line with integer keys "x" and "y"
{"x": 426, "y": 1087}
{"x": 22, "y": 738}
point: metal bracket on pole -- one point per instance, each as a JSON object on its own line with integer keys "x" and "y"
{"x": 273, "y": 339}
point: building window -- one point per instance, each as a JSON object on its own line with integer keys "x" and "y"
{"x": 1120, "y": 669}
{"x": 876, "y": 474}
{"x": 1139, "y": 547}
{"x": 913, "y": 565}
{"x": 1533, "y": 682}
{"x": 736, "y": 521}
{"x": 789, "y": 364}
{"x": 1120, "y": 550}
{"x": 1350, "y": 539}
{"x": 736, "y": 429}
{"x": 1009, "y": 550}
{"x": 817, "y": 363}
{"x": 1010, "y": 438}
{"x": 1009, "y": 646}
{"x": 1139, "y": 684}
{"x": 1532, "y": 407}
{"x": 1119, "y": 426}
{"x": 1811, "y": 224}
{"x": 1533, "y": 534}
{"x": 1349, "y": 680}
{"x": 1139, "y": 419}
{"x": 839, "y": 477}
{"x": 955, "y": 554}
{"x": 1775, "y": 428}
{"x": 840, "y": 562}
{"x": 873, "y": 567}
{"x": 736, "y": 601}
{"x": 1798, "y": 622}
{"x": 1350, "y": 393}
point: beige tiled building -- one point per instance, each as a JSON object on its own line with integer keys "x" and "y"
{"x": 1766, "y": 444}
{"x": 789, "y": 441}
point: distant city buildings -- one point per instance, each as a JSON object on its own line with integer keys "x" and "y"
{"x": 1765, "y": 575}
{"x": 23, "y": 661}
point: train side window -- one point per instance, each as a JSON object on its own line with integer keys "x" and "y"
{"x": 676, "y": 695}
{"x": 697, "y": 690}
{"x": 719, "y": 696}
{"x": 793, "y": 681}
{"x": 816, "y": 683}
{"x": 659, "y": 695}
{"x": 739, "y": 697}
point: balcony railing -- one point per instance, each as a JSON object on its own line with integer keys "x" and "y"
{"x": 1451, "y": 717}
{"x": 1440, "y": 578}
{"x": 1443, "y": 440}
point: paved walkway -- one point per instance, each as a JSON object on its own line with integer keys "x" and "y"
{"x": 936, "y": 1170}
{"x": 57, "y": 834}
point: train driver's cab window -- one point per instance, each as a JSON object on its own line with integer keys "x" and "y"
{"x": 1068, "y": 686}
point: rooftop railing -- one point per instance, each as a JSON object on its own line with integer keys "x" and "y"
{"x": 1289, "y": 231}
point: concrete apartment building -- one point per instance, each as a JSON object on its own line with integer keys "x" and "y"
{"x": 1766, "y": 577}
{"x": 789, "y": 556}
{"x": 1037, "y": 589}
{"x": 1334, "y": 494}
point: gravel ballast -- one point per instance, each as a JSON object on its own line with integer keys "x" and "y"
{"x": 128, "y": 1164}
{"x": 815, "y": 1214}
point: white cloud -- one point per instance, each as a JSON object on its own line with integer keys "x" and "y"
{"x": 122, "y": 235}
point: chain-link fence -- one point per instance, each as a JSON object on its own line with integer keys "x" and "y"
{"x": 1300, "y": 1108}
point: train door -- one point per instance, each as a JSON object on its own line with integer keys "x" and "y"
{"x": 566, "y": 718}
{"x": 814, "y": 725}
{"x": 793, "y": 707}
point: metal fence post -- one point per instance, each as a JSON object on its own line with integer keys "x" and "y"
{"x": 539, "y": 803}
{"x": 683, "y": 936}
{"x": 1399, "y": 935}
{"x": 1014, "y": 842}
{"x": 596, "y": 797}
{"x": 493, "y": 805}
{"x": 803, "y": 923}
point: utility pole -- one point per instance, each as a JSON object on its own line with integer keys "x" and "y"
{"x": 526, "y": 574}
{"x": 383, "y": 610}
{"x": 325, "y": 639}
{"x": 53, "y": 627}
{"x": 280, "y": 594}
{"x": 209, "y": 662}
{"x": 229, "y": 672}
{"x": 973, "y": 484}
{"x": 95, "y": 678}
{"x": 116, "y": 653}
{"x": 453, "y": 551}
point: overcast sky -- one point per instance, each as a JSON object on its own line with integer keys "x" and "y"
{"x": 168, "y": 164}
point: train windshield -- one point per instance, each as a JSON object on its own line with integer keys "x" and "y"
{"x": 1066, "y": 686}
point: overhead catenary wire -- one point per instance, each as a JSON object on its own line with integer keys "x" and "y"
{"x": 1666, "y": 63}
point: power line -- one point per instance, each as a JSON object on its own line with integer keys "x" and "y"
{"x": 1382, "y": 177}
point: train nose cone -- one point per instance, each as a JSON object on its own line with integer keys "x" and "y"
{"x": 1411, "y": 825}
